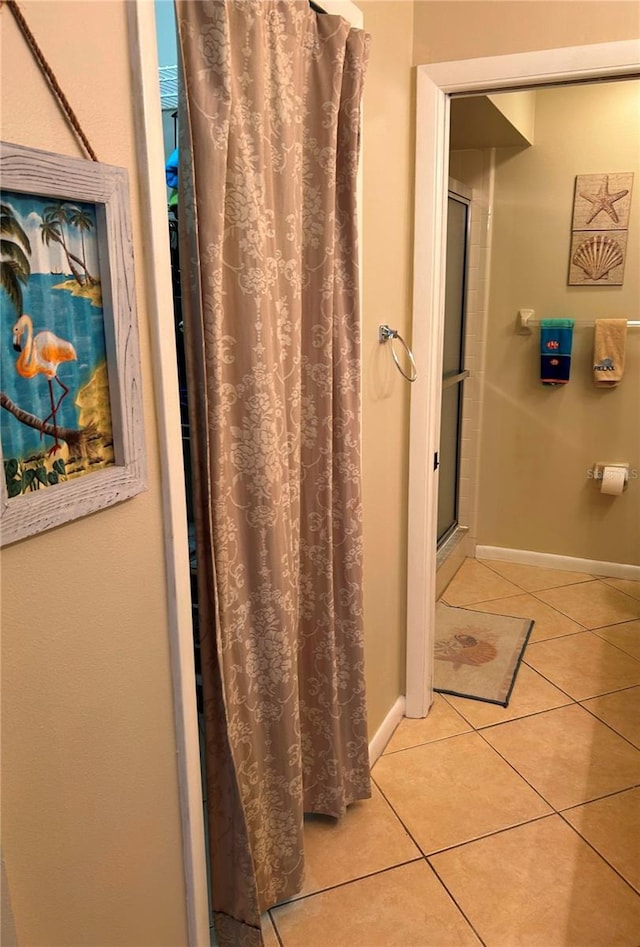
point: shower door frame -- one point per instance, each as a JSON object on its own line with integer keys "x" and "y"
{"x": 455, "y": 193}
{"x": 436, "y": 83}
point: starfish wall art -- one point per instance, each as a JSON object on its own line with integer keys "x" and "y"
{"x": 601, "y": 210}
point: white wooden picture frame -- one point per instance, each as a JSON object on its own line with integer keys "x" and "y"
{"x": 87, "y": 202}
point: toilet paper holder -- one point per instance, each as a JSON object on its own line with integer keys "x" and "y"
{"x": 597, "y": 472}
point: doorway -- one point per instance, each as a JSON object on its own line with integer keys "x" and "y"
{"x": 436, "y": 84}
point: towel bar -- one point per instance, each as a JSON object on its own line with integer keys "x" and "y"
{"x": 525, "y": 323}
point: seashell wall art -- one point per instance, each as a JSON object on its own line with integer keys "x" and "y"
{"x": 597, "y": 258}
{"x": 602, "y": 201}
{"x": 601, "y": 208}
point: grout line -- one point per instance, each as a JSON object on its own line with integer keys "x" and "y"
{"x": 298, "y": 898}
{"x": 577, "y": 700}
{"x": 569, "y": 634}
{"x": 617, "y": 690}
{"x": 499, "y": 575}
{"x": 549, "y": 681}
{"x": 620, "y": 690}
{"x": 491, "y": 834}
{"x": 563, "y": 585}
{"x": 615, "y": 588}
{"x": 561, "y": 634}
{"x": 614, "y": 624}
{"x": 483, "y": 601}
{"x": 566, "y": 615}
{"x": 607, "y": 795}
{"x": 455, "y": 901}
{"x": 613, "y": 643}
{"x": 401, "y": 821}
{"x": 599, "y": 854}
{"x": 275, "y": 928}
{"x": 416, "y": 746}
{"x": 559, "y": 610}
{"x": 522, "y": 716}
{"x": 527, "y": 716}
{"x": 517, "y": 772}
{"x": 605, "y": 723}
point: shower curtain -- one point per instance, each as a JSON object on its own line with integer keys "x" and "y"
{"x": 268, "y": 161}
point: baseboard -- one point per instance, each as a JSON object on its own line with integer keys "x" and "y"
{"x": 385, "y": 731}
{"x": 614, "y": 570}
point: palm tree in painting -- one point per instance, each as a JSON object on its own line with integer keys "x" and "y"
{"x": 82, "y": 220}
{"x": 54, "y": 217}
{"x": 15, "y": 268}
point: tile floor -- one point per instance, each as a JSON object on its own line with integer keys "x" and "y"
{"x": 503, "y": 827}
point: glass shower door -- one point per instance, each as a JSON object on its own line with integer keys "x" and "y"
{"x": 453, "y": 373}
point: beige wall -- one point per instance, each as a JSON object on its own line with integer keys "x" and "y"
{"x": 466, "y": 29}
{"x": 519, "y": 108}
{"x": 90, "y": 811}
{"x": 403, "y": 33}
{"x": 387, "y": 268}
{"x": 538, "y": 443}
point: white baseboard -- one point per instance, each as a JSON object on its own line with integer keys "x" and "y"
{"x": 614, "y": 570}
{"x": 385, "y": 731}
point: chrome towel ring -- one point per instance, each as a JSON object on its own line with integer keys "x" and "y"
{"x": 385, "y": 334}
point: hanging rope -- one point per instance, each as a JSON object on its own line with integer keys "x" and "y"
{"x": 48, "y": 71}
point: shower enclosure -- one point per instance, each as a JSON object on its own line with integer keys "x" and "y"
{"x": 453, "y": 370}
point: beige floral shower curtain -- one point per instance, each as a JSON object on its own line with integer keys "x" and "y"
{"x": 269, "y": 154}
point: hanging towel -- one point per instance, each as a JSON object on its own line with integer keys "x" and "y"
{"x": 556, "y": 337}
{"x": 171, "y": 169}
{"x": 609, "y": 342}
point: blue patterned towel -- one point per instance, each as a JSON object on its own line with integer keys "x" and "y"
{"x": 556, "y": 336}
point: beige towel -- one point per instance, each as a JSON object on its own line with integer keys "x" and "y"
{"x": 610, "y": 339}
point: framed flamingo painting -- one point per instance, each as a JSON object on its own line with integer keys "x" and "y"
{"x": 70, "y": 403}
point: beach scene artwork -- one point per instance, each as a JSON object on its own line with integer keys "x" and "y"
{"x": 55, "y": 411}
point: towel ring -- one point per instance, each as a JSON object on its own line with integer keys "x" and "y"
{"x": 384, "y": 335}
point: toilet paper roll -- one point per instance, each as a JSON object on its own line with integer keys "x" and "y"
{"x": 613, "y": 481}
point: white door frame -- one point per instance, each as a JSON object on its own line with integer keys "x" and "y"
{"x": 143, "y": 53}
{"x": 147, "y": 110}
{"x": 435, "y": 84}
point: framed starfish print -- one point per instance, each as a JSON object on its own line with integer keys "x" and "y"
{"x": 601, "y": 207}
{"x": 71, "y": 434}
{"x": 602, "y": 201}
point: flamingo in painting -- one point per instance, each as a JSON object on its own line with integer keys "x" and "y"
{"x": 41, "y": 355}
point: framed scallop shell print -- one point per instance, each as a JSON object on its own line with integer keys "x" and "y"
{"x": 597, "y": 257}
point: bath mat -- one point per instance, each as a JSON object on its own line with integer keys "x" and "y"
{"x": 478, "y": 655}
